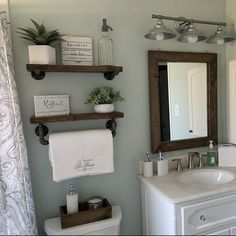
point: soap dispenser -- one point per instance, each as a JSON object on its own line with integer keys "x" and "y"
{"x": 72, "y": 203}
{"x": 211, "y": 155}
{"x": 105, "y": 46}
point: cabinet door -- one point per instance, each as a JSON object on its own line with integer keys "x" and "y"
{"x": 221, "y": 232}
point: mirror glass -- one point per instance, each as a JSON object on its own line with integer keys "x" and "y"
{"x": 183, "y": 99}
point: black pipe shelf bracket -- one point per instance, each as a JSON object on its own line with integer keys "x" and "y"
{"x": 110, "y": 75}
{"x": 42, "y": 130}
{"x": 38, "y": 74}
{"x": 112, "y": 125}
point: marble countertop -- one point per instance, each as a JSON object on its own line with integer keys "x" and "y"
{"x": 176, "y": 192}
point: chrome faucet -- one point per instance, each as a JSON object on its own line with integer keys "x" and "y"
{"x": 179, "y": 165}
{"x": 201, "y": 160}
{"x": 191, "y": 156}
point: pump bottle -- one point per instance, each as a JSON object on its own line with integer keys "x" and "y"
{"x": 211, "y": 155}
{"x": 105, "y": 46}
{"x": 72, "y": 203}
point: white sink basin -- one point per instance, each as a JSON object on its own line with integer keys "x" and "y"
{"x": 207, "y": 177}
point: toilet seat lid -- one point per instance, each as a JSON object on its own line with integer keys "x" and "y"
{"x": 53, "y": 226}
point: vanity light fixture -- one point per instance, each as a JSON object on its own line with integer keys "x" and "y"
{"x": 191, "y": 35}
{"x": 160, "y": 32}
{"x": 220, "y": 37}
{"x": 187, "y": 30}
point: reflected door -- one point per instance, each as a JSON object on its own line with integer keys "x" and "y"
{"x": 197, "y": 88}
{"x": 187, "y": 98}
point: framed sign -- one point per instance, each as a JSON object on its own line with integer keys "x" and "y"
{"x": 76, "y": 50}
{"x": 50, "y": 105}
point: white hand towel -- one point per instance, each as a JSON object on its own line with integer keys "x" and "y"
{"x": 80, "y": 153}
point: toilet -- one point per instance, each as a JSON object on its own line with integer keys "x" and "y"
{"x": 104, "y": 227}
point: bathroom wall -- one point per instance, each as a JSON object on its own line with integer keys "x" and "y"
{"x": 230, "y": 53}
{"x": 231, "y": 21}
{"x": 130, "y": 20}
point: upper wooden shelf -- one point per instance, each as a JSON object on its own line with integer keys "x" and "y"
{"x": 38, "y": 70}
{"x": 74, "y": 117}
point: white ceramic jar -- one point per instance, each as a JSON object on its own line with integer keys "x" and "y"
{"x": 104, "y": 108}
{"x": 42, "y": 54}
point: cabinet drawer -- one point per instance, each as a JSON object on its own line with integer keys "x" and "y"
{"x": 208, "y": 215}
{"x": 221, "y": 232}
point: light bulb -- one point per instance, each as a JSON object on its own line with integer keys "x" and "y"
{"x": 220, "y": 41}
{"x": 192, "y": 38}
{"x": 159, "y": 36}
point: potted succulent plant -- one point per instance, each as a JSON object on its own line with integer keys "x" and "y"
{"x": 103, "y": 99}
{"x": 41, "y": 52}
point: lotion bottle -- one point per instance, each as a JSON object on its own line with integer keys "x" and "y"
{"x": 72, "y": 203}
{"x": 211, "y": 155}
{"x": 105, "y": 46}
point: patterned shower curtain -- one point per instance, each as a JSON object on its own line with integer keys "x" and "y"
{"x": 17, "y": 215}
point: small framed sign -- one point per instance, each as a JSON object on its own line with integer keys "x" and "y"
{"x": 50, "y": 105}
{"x": 76, "y": 50}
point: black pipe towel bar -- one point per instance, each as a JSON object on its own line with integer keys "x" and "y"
{"x": 41, "y": 130}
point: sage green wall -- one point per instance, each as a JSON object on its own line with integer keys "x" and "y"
{"x": 231, "y": 20}
{"x": 231, "y": 47}
{"x": 130, "y": 19}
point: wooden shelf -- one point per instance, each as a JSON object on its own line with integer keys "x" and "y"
{"x": 38, "y": 70}
{"x": 42, "y": 130}
{"x": 74, "y": 117}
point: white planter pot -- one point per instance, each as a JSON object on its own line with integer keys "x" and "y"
{"x": 104, "y": 108}
{"x": 42, "y": 54}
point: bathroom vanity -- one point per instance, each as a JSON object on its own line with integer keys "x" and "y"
{"x": 190, "y": 203}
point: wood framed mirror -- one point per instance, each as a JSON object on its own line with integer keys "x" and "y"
{"x": 183, "y": 99}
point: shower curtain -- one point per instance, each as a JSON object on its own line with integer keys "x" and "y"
{"x": 17, "y": 215}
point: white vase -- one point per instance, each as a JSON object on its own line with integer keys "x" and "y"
{"x": 104, "y": 108}
{"x": 42, "y": 54}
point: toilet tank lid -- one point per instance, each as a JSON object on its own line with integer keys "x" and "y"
{"x": 53, "y": 226}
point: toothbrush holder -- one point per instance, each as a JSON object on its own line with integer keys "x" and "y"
{"x": 148, "y": 169}
{"x": 162, "y": 167}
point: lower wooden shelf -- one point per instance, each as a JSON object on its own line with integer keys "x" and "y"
{"x": 74, "y": 117}
{"x": 42, "y": 130}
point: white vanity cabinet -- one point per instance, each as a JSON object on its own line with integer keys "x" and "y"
{"x": 209, "y": 215}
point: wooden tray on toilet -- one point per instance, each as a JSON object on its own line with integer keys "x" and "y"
{"x": 85, "y": 215}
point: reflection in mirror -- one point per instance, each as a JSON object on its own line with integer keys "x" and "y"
{"x": 183, "y": 99}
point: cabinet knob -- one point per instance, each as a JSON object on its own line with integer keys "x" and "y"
{"x": 202, "y": 217}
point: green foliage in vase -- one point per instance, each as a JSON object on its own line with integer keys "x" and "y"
{"x": 104, "y": 95}
{"x": 39, "y": 35}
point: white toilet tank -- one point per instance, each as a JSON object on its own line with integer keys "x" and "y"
{"x": 104, "y": 227}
